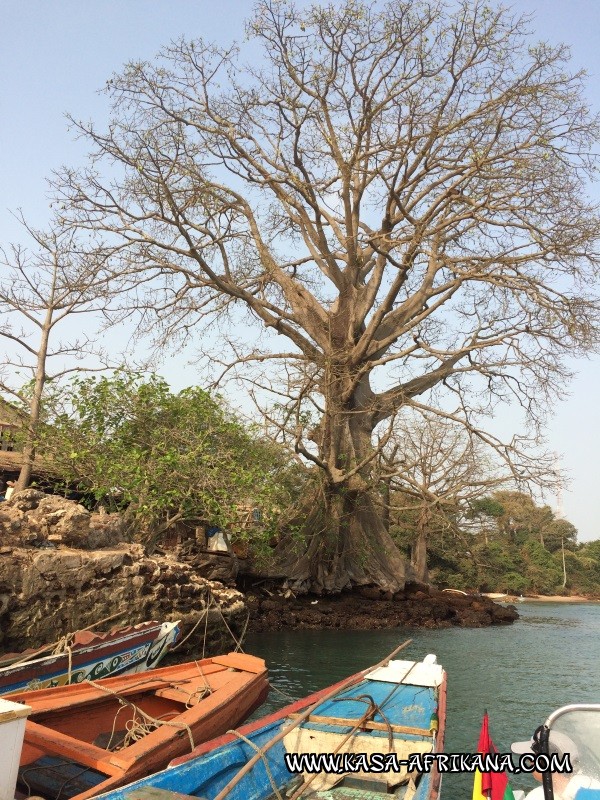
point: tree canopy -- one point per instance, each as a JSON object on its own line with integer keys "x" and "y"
{"x": 397, "y": 192}
{"x": 44, "y": 288}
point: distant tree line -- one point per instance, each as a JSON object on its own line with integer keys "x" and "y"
{"x": 505, "y": 542}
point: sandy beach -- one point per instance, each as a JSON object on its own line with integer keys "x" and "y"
{"x": 557, "y": 598}
{"x": 540, "y": 598}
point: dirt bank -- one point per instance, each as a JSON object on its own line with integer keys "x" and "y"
{"x": 368, "y": 609}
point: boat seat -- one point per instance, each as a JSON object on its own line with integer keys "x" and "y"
{"x": 368, "y": 725}
{"x": 60, "y": 744}
{"x": 180, "y": 695}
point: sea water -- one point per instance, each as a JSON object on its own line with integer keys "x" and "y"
{"x": 520, "y": 673}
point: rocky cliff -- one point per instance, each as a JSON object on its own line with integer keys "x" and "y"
{"x": 63, "y": 568}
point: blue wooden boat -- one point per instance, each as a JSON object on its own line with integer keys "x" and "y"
{"x": 380, "y": 715}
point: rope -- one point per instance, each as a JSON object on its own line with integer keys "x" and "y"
{"x": 203, "y": 676}
{"x": 65, "y": 645}
{"x": 371, "y": 712}
{"x": 52, "y": 770}
{"x": 238, "y": 643}
{"x": 282, "y": 693}
{"x": 368, "y": 713}
{"x": 333, "y": 691}
{"x": 204, "y": 616}
{"x": 264, "y": 758}
{"x": 48, "y": 647}
{"x": 139, "y": 729}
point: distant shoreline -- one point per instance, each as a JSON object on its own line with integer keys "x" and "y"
{"x": 557, "y": 598}
{"x": 540, "y": 598}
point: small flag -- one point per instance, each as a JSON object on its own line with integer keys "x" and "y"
{"x": 490, "y": 785}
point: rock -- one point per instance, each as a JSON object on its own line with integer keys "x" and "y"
{"x": 370, "y": 593}
{"x": 26, "y": 499}
{"x": 215, "y": 568}
{"x": 503, "y": 614}
{"x": 424, "y": 609}
{"x": 35, "y": 518}
{"x": 52, "y": 583}
{"x": 106, "y": 530}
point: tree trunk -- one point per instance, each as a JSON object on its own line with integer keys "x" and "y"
{"x": 419, "y": 548}
{"x": 347, "y": 542}
{"x": 35, "y": 406}
{"x": 350, "y": 547}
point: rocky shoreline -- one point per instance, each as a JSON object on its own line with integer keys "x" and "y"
{"x": 63, "y": 569}
{"x": 371, "y": 609}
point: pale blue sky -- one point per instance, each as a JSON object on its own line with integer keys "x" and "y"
{"x": 56, "y": 54}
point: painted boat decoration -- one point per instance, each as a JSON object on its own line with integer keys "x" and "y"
{"x": 389, "y": 711}
{"x": 90, "y": 656}
{"x": 85, "y": 739}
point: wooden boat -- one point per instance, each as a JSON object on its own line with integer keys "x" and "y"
{"x": 85, "y": 739}
{"x": 89, "y": 655}
{"x": 394, "y": 708}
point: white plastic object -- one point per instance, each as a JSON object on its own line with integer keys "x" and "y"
{"x": 416, "y": 673}
{"x": 12, "y": 730}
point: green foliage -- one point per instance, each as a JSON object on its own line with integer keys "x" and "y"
{"x": 543, "y": 569}
{"x": 505, "y": 542}
{"x": 515, "y": 583}
{"x": 162, "y": 457}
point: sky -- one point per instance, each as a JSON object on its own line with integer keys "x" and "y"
{"x": 56, "y": 55}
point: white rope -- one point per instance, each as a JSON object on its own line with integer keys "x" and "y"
{"x": 137, "y": 729}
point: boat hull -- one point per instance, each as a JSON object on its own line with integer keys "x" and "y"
{"x": 212, "y": 766}
{"x": 69, "y": 735}
{"x": 122, "y": 652}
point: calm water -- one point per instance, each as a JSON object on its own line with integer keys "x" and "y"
{"x": 519, "y": 673}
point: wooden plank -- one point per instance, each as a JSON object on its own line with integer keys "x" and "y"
{"x": 53, "y": 742}
{"x": 180, "y": 694}
{"x": 18, "y": 712}
{"x": 76, "y": 696}
{"x": 241, "y": 661}
{"x": 204, "y": 720}
{"x": 372, "y": 726}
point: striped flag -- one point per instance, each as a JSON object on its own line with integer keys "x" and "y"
{"x": 490, "y": 785}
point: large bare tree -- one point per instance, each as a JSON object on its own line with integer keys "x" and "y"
{"x": 397, "y": 191}
{"x": 44, "y": 288}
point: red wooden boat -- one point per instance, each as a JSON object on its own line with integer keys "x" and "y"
{"x": 86, "y": 739}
